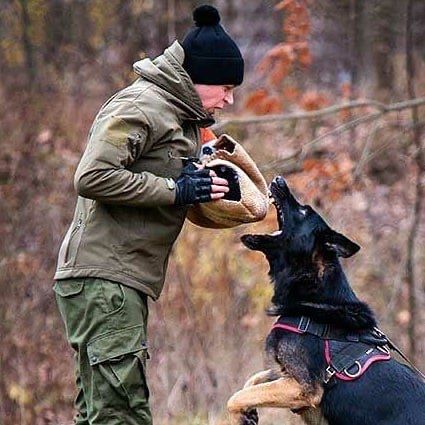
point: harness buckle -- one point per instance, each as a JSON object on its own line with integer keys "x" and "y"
{"x": 379, "y": 333}
{"x": 384, "y": 348}
{"x": 330, "y": 372}
{"x": 301, "y": 327}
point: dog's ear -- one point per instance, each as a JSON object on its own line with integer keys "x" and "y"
{"x": 257, "y": 242}
{"x": 340, "y": 244}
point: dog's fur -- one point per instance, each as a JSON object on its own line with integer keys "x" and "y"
{"x": 309, "y": 281}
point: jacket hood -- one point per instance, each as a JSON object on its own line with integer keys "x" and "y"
{"x": 166, "y": 71}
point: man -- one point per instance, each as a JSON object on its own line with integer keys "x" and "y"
{"x": 134, "y": 191}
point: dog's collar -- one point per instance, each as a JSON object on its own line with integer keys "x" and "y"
{"x": 348, "y": 355}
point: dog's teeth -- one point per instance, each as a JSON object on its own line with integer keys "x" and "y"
{"x": 276, "y": 233}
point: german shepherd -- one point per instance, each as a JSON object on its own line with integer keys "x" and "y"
{"x": 309, "y": 283}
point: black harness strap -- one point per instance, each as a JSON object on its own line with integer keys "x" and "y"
{"x": 325, "y": 331}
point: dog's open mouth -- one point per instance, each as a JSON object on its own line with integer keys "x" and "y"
{"x": 279, "y": 214}
{"x": 277, "y": 196}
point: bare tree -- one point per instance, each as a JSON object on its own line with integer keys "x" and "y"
{"x": 419, "y": 195}
{"x": 26, "y": 42}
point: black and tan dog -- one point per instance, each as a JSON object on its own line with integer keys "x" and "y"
{"x": 328, "y": 360}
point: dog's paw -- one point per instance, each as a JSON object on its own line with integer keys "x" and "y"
{"x": 249, "y": 417}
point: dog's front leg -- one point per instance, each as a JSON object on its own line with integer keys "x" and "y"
{"x": 250, "y": 417}
{"x": 283, "y": 392}
{"x": 263, "y": 377}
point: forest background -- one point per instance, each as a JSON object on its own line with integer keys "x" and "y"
{"x": 327, "y": 102}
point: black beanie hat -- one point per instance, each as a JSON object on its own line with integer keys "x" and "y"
{"x": 211, "y": 56}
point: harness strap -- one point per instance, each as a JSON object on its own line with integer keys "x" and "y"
{"x": 304, "y": 324}
{"x": 397, "y": 350}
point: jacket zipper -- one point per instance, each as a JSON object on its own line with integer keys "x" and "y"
{"x": 183, "y": 158}
{"x": 71, "y": 237}
{"x": 79, "y": 222}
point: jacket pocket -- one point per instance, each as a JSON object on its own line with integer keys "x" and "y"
{"x": 118, "y": 362}
{"x": 71, "y": 243}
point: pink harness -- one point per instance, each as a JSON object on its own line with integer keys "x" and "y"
{"x": 345, "y": 359}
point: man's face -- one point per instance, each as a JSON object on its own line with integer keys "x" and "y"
{"x": 215, "y": 97}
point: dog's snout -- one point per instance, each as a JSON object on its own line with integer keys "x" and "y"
{"x": 280, "y": 182}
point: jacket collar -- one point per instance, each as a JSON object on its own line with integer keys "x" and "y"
{"x": 167, "y": 72}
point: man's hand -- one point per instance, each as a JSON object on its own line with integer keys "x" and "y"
{"x": 196, "y": 185}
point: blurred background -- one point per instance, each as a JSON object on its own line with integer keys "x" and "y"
{"x": 360, "y": 164}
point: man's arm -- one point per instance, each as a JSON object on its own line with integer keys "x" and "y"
{"x": 115, "y": 142}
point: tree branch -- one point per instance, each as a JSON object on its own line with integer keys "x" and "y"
{"x": 381, "y": 109}
{"x": 366, "y": 149}
{"x": 302, "y": 152}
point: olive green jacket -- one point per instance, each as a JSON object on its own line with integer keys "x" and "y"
{"x": 125, "y": 222}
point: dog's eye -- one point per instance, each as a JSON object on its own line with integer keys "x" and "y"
{"x": 303, "y": 211}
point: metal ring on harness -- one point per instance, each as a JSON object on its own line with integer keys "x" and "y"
{"x": 358, "y": 373}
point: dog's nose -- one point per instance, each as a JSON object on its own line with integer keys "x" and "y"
{"x": 280, "y": 181}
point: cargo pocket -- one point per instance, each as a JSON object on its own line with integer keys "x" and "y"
{"x": 68, "y": 301}
{"x": 68, "y": 287}
{"x": 111, "y": 297}
{"x": 118, "y": 361}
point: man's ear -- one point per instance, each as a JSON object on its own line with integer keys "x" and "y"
{"x": 340, "y": 244}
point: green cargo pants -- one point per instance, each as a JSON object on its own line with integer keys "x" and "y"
{"x": 105, "y": 325}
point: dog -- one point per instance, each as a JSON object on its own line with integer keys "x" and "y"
{"x": 328, "y": 360}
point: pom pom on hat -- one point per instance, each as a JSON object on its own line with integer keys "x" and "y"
{"x": 206, "y": 15}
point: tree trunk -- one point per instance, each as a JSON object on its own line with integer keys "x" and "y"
{"x": 383, "y": 46}
{"x": 27, "y": 45}
{"x": 419, "y": 192}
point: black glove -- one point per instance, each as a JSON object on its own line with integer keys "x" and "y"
{"x": 193, "y": 186}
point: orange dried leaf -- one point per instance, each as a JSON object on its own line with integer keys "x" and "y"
{"x": 310, "y": 164}
{"x": 311, "y": 101}
{"x": 304, "y": 57}
{"x": 264, "y": 64}
{"x": 261, "y": 103}
{"x": 283, "y": 4}
{"x": 303, "y": 28}
{"x": 281, "y": 50}
{"x": 345, "y": 114}
{"x": 279, "y": 72}
{"x": 290, "y": 93}
{"x": 346, "y": 89}
{"x": 271, "y": 105}
{"x": 255, "y": 98}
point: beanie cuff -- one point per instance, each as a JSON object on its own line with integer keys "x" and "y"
{"x": 214, "y": 70}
